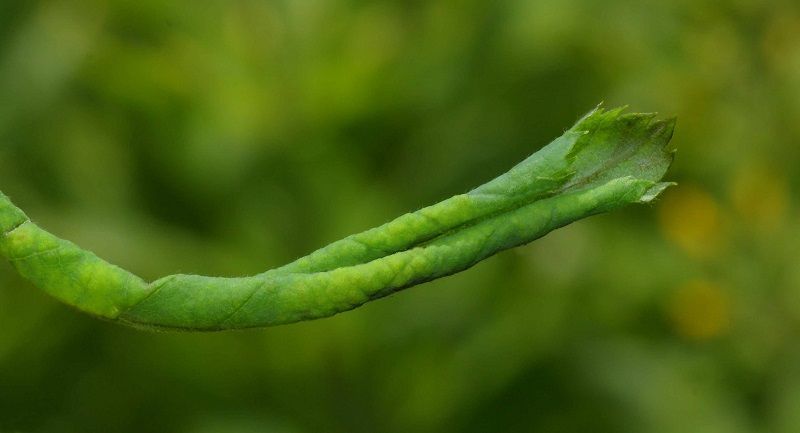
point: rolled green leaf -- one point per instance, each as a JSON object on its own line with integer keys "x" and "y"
{"x": 607, "y": 160}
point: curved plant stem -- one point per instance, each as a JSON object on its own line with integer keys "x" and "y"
{"x": 607, "y": 160}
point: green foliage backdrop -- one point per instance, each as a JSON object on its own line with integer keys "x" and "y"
{"x": 227, "y": 137}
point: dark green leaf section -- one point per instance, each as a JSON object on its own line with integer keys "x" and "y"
{"x": 607, "y": 160}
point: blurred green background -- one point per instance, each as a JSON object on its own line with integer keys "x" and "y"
{"x": 228, "y": 137}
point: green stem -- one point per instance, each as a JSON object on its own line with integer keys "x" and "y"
{"x": 607, "y": 160}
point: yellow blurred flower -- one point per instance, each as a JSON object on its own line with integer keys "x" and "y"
{"x": 690, "y": 218}
{"x": 700, "y": 310}
{"x": 760, "y": 197}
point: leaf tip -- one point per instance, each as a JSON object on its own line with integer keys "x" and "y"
{"x": 654, "y": 191}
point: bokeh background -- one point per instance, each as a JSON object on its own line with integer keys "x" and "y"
{"x": 227, "y": 137}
